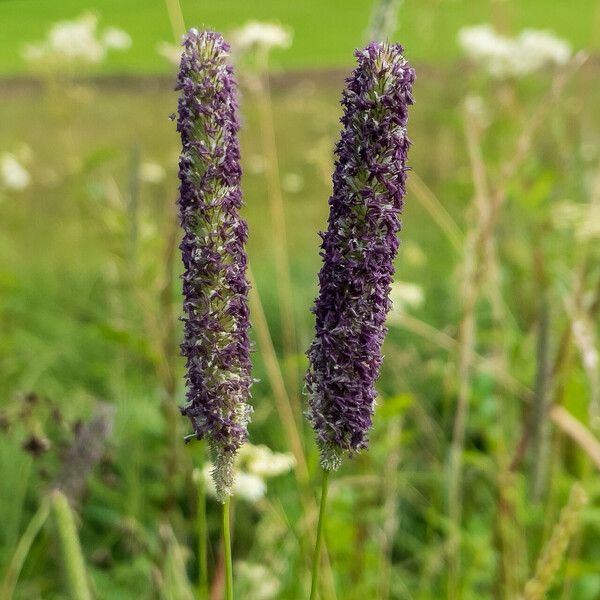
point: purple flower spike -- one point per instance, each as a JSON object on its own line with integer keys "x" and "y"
{"x": 358, "y": 250}
{"x": 215, "y": 287}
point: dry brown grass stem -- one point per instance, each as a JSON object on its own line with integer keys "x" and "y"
{"x": 447, "y": 342}
{"x": 278, "y": 227}
{"x": 176, "y": 19}
{"x": 280, "y": 395}
{"x": 577, "y": 431}
{"x": 436, "y": 210}
{"x": 479, "y": 267}
{"x": 554, "y": 550}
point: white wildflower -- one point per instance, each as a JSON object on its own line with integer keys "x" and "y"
{"x": 13, "y": 174}
{"x": 483, "y": 45}
{"x": 257, "y": 580}
{"x": 503, "y": 56}
{"x": 256, "y": 34}
{"x": 253, "y": 465}
{"x": 263, "y": 462}
{"x": 170, "y": 51}
{"x": 116, "y": 39}
{"x": 249, "y": 487}
{"x": 547, "y": 49}
{"x": 77, "y": 41}
{"x": 151, "y": 172}
{"x": 406, "y": 295}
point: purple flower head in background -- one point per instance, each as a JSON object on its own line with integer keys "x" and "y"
{"x": 358, "y": 250}
{"x": 215, "y": 287}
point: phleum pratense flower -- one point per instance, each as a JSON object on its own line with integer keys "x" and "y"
{"x": 358, "y": 250}
{"x": 215, "y": 287}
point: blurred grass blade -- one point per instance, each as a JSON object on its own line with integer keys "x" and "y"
{"x": 436, "y": 210}
{"x": 73, "y": 561}
{"x": 553, "y": 552}
{"x": 24, "y": 546}
{"x": 578, "y": 432}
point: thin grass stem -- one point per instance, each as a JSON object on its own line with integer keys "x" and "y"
{"x": 73, "y": 561}
{"x": 202, "y": 537}
{"x": 227, "y": 551}
{"x": 318, "y": 543}
{"x": 22, "y": 550}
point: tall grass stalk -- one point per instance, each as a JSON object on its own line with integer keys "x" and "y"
{"x": 319, "y": 541}
{"x": 286, "y": 416}
{"x": 282, "y": 399}
{"x": 175, "y": 18}
{"x": 202, "y": 527}
{"x": 390, "y": 506}
{"x": 553, "y": 552}
{"x": 480, "y": 267}
{"x": 384, "y": 20}
{"x": 73, "y": 561}
{"x": 22, "y": 550}
{"x": 227, "y": 551}
{"x": 540, "y": 423}
{"x": 278, "y": 226}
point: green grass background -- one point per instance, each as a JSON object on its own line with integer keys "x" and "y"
{"x": 74, "y": 320}
{"x": 325, "y": 31}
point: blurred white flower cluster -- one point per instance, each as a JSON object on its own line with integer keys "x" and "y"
{"x": 254, "y": 35}
{"x": 260, "y": 35}
{"x": 77, "y": 41}
{"x": 406, "y": 296}
{"x": 257, "y": 580}
{"x": 13, "y": 175}
{"x": 254, "y": 465}
{"x": 501, "y": 56}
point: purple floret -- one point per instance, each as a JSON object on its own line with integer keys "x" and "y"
{"x": 358, "y": 250}
{"x": 215, "y": 287}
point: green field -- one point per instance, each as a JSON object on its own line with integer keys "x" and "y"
{"x": 325, "y": 32}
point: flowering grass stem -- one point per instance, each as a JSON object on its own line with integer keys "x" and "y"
{"x": 202, "y": 538}
{"x": 319, "y": 542}
{"x": 227, "y": 551}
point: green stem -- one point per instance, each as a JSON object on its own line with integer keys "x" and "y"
{"x": 74, "y": 564}
{"x": 320, "y": 526}
{"x": 23, "y": 548}
{"x": 202, "y": 538}
{"x": 227, "y": 552}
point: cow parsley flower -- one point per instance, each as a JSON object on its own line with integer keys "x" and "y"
{"x": 77, "y": 41}
{"x": 256, "y": 34}
{"x": 501, "y": 56}
{"x": 116, "y": 39}
{"x": 358, "y": 250}
{"x": 252, "y": 467}
{"x": 13, "y": 175}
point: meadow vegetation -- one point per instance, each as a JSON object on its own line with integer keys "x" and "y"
{"x": 488, "y": 416}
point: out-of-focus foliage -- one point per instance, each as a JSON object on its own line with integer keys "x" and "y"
{"x": 89, "y": 295}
